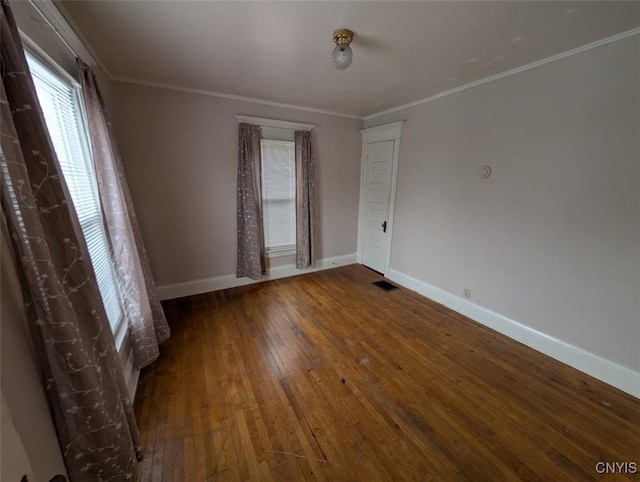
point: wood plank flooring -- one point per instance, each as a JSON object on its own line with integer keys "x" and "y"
{"x": 326, "y": 377}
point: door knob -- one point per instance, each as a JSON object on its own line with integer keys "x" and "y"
{"x": 384, "y": 227}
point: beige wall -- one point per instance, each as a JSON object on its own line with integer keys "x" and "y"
{"x": 180, "y": 155}
{"x": 551, "y": 239}
{"x": 14, "y": 461}
{"x": 32, "y": 433}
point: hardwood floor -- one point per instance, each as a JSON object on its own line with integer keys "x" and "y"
{"x": 326, "y": 377}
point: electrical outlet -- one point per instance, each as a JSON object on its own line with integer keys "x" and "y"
{"x": 467, "y": 293}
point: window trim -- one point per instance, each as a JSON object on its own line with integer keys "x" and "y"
{"x": 277, "y": 130}
{"x": 274, "y": 123}
{"x": 280, "y": 251}
{"x": 120, "y": 328}
{"x": 33, "y": 49}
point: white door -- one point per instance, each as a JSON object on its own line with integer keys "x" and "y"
{"x": 378, "y": 170}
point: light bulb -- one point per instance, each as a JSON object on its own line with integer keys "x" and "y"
{"x": 341, "y": 57}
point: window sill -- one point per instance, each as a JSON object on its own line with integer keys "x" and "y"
{"x": 281, "y": 251}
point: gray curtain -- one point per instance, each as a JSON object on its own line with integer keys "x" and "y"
{"x": 81, "y": 372}
{"x": 251, "y": 251}
{"x": 147, "y": 324}
{"x": 305, "y": 225}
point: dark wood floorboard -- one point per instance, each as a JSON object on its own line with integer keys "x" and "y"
{"x": 325, "y": 377}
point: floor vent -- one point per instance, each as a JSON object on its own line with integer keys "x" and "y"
{"x": 385, "y": 285}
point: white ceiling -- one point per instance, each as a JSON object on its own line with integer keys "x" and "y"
{"x": 281, "y": 51}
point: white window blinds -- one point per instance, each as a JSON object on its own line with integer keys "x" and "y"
{"x": 60, "y": 103}
{"x": 278, "y": 193}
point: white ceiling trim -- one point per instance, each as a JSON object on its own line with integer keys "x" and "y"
{"x": 241, "y": 98}
{"x": 507, "y": 73}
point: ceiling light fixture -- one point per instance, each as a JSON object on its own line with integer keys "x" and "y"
{"x": 342, "y": 55}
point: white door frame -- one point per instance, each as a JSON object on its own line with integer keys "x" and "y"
{"x": 387, "y": 132}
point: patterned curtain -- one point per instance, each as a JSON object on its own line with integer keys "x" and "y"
{"x": 251, "y": 251}
{"x": 81, "y": 371}
{"x": 147, "y": 324}
{"x": 305, "y": 225}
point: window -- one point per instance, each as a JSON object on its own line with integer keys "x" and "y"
{"x": 62, "y": 108}
{"x": 278, "y": 194}
{"x": 278, "y": 182}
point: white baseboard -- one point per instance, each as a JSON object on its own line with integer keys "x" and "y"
{"x": 178, "y": 290}
{"x": 609, "y": 372}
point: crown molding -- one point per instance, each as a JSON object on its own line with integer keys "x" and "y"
{"x": 507, "y": 73}
{"x": 222, "y": 95}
